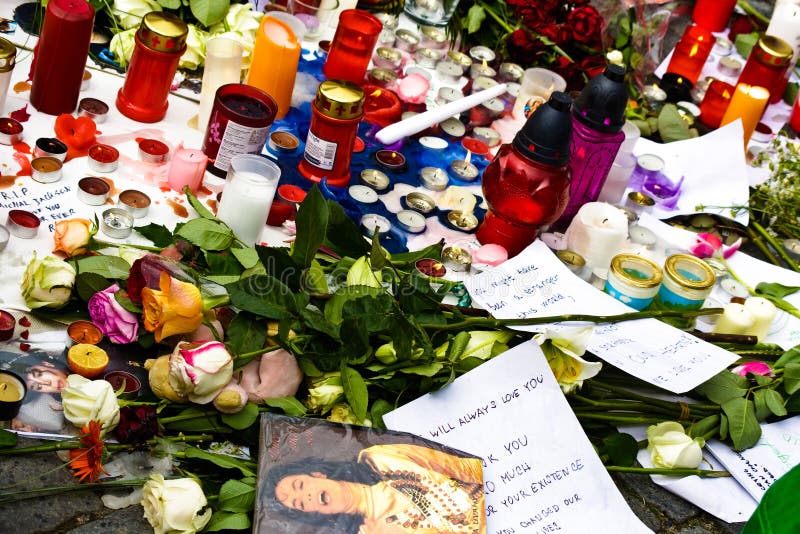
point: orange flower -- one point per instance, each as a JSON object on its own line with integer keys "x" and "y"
{"x": 176, "y": 309}
{"x": 72, "y": 236}
{"x": 85, "y": 463}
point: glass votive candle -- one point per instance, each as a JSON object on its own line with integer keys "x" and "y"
{"x": 647, "y": 166}
{"x": 688, "y": 60}
{"x": 537, "y": 83}
{"x": 715, "y": 103}
{"x": 352, "y": 45}
{"x": 633, "y": 279}
{"x": 247, "y": 196}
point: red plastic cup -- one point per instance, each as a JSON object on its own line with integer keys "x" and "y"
{"x": 352, "y": 46}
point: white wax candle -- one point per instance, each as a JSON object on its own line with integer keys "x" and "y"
{"x": 417, "y": 123}
{"x": 736, "y": 319}
{"x": 763, "y": 312}
{"x": 247, "y": 196}
{"x": 597, "y": 233}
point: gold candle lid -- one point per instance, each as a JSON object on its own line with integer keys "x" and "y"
{"x": 629, "y": 267}
{"x": 8, "y": 55}
{"x": 771, "y": 50}
{"x": 340, "y": 99}
{"x": 163, "y": 32}
{"x": 689, "y": 272}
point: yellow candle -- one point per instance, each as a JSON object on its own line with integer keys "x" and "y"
{"x": 11, "y": 389}
{"x": 736, "y": 319}
{"x": 276, "y": 55}
{"x": 748, "y": 103}
{"x": 763, "y": 312}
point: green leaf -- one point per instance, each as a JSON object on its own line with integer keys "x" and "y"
{"x": 671, "y": 127}
{"x": 457, "y": 345}
{"x": 355, "y": 389}
{"x": 791, "y": 377}
{"x": 197, "y": 420}
{"x": 243, "y": 419}
{"x": 790, "y": 356}
{"x": 312, "y": 225}
{"x": 760, "y": 404}
{"x": 125, "y": 301}
{"x": 431, "y": 251}
{"x": 209, "y": 12}
{"x": 201, "y": 210}
{"x": 790, "y": 93}
{"x": 334, "y": 308}
{"x": 289, "y": 406}
{"x": 246, "y": 333}
{"x": 745, "y": 42}
{"x": 621, "y": 449}
{"x": 773, "y": 289}
{"x": 262, "y": 295}
{"x": 7, "y": 439}
{"x": 112, "y": 267}
{"x": 316, "y": 321}
{"x": 377, "y": 258}
{"x": 475, "y": 17}
{"x": 236, "y": 496}
{"x": 206, "y": 234}
{"x": 247, "y": 257}
{"x": 168, "y": 4}
{"x": 314, "y": 280}
{"x": 228, "y": 521}
{"x": 723, "y": 426}
{"x": 423, "y": 370}
{"x": 723, "y": 387}
{"x": 343, "y": 234}
{"x": 742, "y": 423}
{"x": 378, "y": 409}
{"x": 279, "y": 264}
{"x": 87, "y": 284}
{"x": 775, "y": 402}
{"x": 222, "y": 264}
{"x": 159, "y": 234}
{"x": 221, "y": 460}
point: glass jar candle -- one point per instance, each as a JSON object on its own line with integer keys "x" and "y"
{"x": 8, "y": 56}
{"x": 715, "y": 103}
{"x": 352, "y": 45}
{"x": 248, "y": 194}
{"x": 688, "y": 60}
{"x": 634, "y": 280}
{"x": 713, "y": 14}
{"x": 687, "y": 282}
{"x": 766, "y": 66}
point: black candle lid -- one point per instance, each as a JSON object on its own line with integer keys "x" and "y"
{"x": 601, "y": 105}
{"x": 547, "y": 134}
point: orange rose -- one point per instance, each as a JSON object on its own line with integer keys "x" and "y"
{"x": 176, "y": 309}
{"x": 72, "y": 236}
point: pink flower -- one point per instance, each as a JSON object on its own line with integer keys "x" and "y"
{"x": 753, "y": 368}
{"x": 199, "y": 370}
{"x": 709, "y": 245}
{"x": 117, "y": 323}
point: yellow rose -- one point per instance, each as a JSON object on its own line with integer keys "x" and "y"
{"x": 72, "y": 236}
{"x": 176, "y": 309}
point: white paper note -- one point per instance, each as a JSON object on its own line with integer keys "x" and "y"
{"x": 774, "y": 455}
{"x": 540, "y": 473}
{"x": 536, "y": 284}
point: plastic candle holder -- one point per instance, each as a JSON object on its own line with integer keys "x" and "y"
{"x": 352, "y": 45}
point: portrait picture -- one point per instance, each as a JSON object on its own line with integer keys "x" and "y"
{"x": 317, "y": 476}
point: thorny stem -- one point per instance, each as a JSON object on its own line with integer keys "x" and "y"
{"x": 704, "y": 473}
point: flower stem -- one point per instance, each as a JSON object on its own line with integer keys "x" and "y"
{"x": 649, "y": 400}
{"x": 750, "y": 10}
{"x": 764, "y": 249}
{"x": 140, "y": 247}
{"x": 488, "y": 322}
{"x": 258, "y": 352}
{"x": 704, "y": 473}
{"x": 777, "y": 246}
{"x": 67, "y": 445}
{"x": 503, "y": 24}
{"x": 20, "y": 495}
{"x": 620, "y": 419}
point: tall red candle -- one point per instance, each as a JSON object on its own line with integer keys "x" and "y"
{"x": 713, "y": 15}
{"x": 60, "y": 56}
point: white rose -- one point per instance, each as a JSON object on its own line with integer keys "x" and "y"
{"x": 671, "y": 448}
{"x": 200, "y": 370}
{"x": 47, "y": 282}
{"x": 174, "y": 505}
{"x": 87, "y": 400}
{"x": 129, "y": 13}
{"x": 195, "y": 54}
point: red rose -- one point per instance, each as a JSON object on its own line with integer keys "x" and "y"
{"x": 522, "y": 46}
{"x": 586, "y": 24}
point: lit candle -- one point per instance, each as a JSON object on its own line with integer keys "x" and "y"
{"x": 10, "y": 131}
{"x": 116, "y": 223}
{"x": 654, "y": 95}
{"x": 381, "y": 106}
{"x": 715, "y": 103}
{"x": 736, "y": 319}
{"x": 50, "y": 147}
{"x": 135, "y": 202}
{"x": 481, "y": 69}
{"x": 462, "y": 221}
{"x": 431, "y": 267}
{"x": 463, "y": 170}
{"x": 46, "y": 170}
{"x": 748, "y": 104}
{"x": 374, "y": 179}
{"x": 413, "y": 89}
{"x": 84, "y": 332}
{"x": 103, "y": 158}
{"x": 391, "y": 160}
{"x": 23, "y": 224}
{"x": 187, "y": 169}
{"x": 93, "y": 191}
{"x": 688, "y": 59}
{"x": 434, "y": 178}
{"x": 597, "y": 233}
{"x": 12, "y": 391}
{"x": 153, "y": 151}
{"x": 456, "y": 259}
{"x": 763, "y": 312}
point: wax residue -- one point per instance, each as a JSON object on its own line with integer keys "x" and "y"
{"x": 21, "y": 87}
{"x": 112, "y": 191}
{"x": 7, "y": 181}
{"x": 177, "y": 209}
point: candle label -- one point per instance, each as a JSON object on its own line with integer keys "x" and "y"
{"x": 239, "y": 139}
{"x": 320, "y": 152}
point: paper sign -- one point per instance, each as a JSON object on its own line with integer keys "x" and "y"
{"x": 774, "y": 455}
{"x": 540, "y": 471}
{"x": 536, "y": 284}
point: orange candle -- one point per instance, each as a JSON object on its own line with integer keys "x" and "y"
{"x": 276, "y": 55}
{"x": 748, "y": 103}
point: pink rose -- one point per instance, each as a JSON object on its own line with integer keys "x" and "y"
{"x": 753, "y": 368}
{"x": 117, "y": 323}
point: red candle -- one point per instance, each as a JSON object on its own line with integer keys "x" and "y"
{"x": 7, "y": 323}
{"x": 713, "y": 14}
{"x": 23, "y": 224}
{"x": 715, "y": 103}
{"x": 284, "y": 206}
{"x": 701, "y": 36}
{"x": 103, "y": 158}
{"x": 391, "y": 160}
{"x": 381, "y": 106}
{"x": 153, "y": 151}
{"x": 60, "y": 56}
{"x": 794, "y": 119}
{"x": 688, "y": 60}
{"x": 351, "y": 48}
{"x": 10, "y": 131}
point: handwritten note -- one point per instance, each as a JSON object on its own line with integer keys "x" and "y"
{"x": 540, "y": 471}
{"x": 774, "y": 455}
{"x": 535, "y": 283}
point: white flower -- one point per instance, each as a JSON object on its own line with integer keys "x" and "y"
{"x": 87, "y": 400}
{"x": 200, "y": 370}
{"x": 174, "y": 505}
{"x": 122, "y": 45}
{"x": 47, "y": 282}
{"x": 563, "y": 351}
{"x": 129, "y": 13}
{"x": 615, "y": 57}
{"x": 195, "y": 54}
{"x": 671, "y": 448}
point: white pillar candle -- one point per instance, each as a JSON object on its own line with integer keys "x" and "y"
{"x": 597, "y": 233}
{"x": 223, "y": 65}
{"x": 763, "y": 312}
{"x": 736, "y": 319}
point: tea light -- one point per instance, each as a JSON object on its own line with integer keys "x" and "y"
{"x": 433, "y": 37}
{"x": 390, "y": 160}
{"x": 434, "y": 178}
{"x": 372, "y": 223}
{"x": 792, "y": 246}
{"x": 388, "y": 58}
{"x": 116, "y": 223}
{"x": 481, "y": 83}
{"x": 291, "y": 193}
{"x": 406, "y": 40}
{"x": 484, "y": 113}
{"x": 50, "y": 147}
{"x": 459, "y": 198}
{"x": 95, "y": 109}
{"x": 4, "y": 237}
{"x": 12, "y": 392}
{"x": 490, "y": 254}
{"x": 734, "y": 288}
{"x": 375, "y": 179}
{"x": 481, "y": 69}
{"x": 487, "y": 135}
{"x": 103, "y": 158}
{"x": 459, "y": 59}
{"x": 722, "y": 46}
{"x": 463, "y": 170}
{"x": 23, "y": 224}
{"x": 572, "y": 260}
{"x": 482, "y": 54}
{"x": 446, "y": 95}
{"x": 153, "y": 151}
{"x": 654, "y": 95}
{"x": 448, "y": 72}
{"x": 453, "y": 128}
{"x": 430, "y": 267}
{"x": 432, "y": 142}
{"x": 46, "y": 169}
{"x": 428, "y": 57}
{"x": 689, "y": 107}
{"x": 639, "y": 202}
{"x": 7, "y": 323}
{"x": 462, "y": 220}
{"x": 411, "y": 221}
{"x": 418, "y": 202}
{"x": 283, "y": 142}
{"x": 641, "y": 235}
{"x": 475, "y": 146}
{"x": 363, "y": 194}
{"x": 456, "y": 259}
{"x": 10, "y": 131}
{"x": 84, "y": 332}
{"x": 93, "y": 191}
{"x": 730, "y": 66}
{"x": 511, "y": 72}
{"x": 647, "y": 167}
{"x": 382, "y": 77}
{"x": 86, "y": 80}
{"x": 134, "y": 202}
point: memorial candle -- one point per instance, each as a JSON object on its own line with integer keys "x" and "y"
{"x": 223, "y": 65}
{"x": 748, "y": 104}
{"x": 713, "y": 14}
{"x": 12, "y": 391}
{"x": 187, "y": 169}
{"x": 381, "y": 106}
